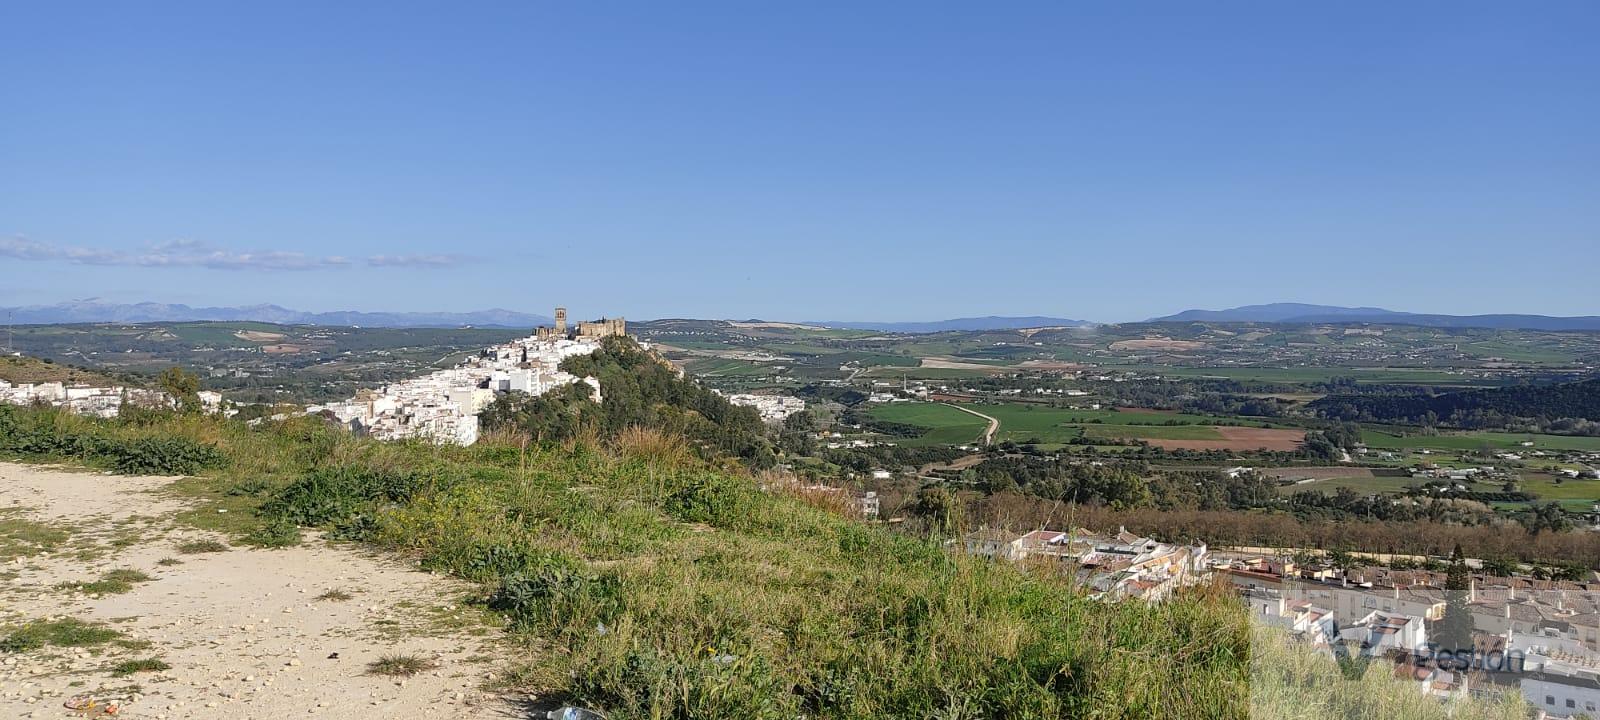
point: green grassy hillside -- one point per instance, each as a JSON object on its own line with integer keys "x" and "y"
{"x": 654, "y": 585}
{"x": 19, "y": 370}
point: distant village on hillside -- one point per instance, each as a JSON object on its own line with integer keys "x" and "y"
{"x": 444, "y": 406}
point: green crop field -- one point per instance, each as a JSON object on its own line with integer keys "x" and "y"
{"x": 946, "y": 425}
{"x": 1363, "y": 485}
{"x": 1021, "y": 422}
{"x": 724, "y": 366}
{"x": 1546, "y": 487}
{"x": 1478, "y": 440}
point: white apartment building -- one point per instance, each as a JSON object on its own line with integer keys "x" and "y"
{"x": 443, "y": 406}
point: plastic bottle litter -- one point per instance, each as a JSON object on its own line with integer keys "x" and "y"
{"x": 573, "y": 713}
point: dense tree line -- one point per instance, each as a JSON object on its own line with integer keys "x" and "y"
{"x": 831, "y": 393}
{"x": 1573, "y": 408}
{"x": 863, "y": 459}
{"x": 864, "y": 419}
{"x": 1132, "y": 484}
{"x": 1277, "y": 529}
{"x": 1205, "y": 397}
{"x": 1114, "y": 484}
{"x": 1330, "y": 443}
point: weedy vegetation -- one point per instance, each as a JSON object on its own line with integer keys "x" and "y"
{"x": 399, "y": 665}
{"x": 66, "y": 632}
{"x": 650, "y": 579}
{"x": 20, "y": 537}
{"x": 130, "y": 667}
{"x": 196, "y": 547}
{"x": 114, "y": 582}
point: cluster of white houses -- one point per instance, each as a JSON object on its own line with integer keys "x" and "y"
{"x": 1110, "y": 567}
{"x": 443, "y": 407}
{"x": 1541, "y": 637}
{"x": 1537, "y": 637}
{"x": 105, "y": 402}
{"x": 773, "y": 408}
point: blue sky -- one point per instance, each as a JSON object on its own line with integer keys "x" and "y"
{"x": 820, "y": 160}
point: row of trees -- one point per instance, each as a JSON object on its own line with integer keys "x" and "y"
{"x": 1570, "y": 407}
{"x": 1422, "y": 536}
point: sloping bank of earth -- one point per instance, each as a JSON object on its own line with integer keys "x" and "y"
{"x": 637, "y": 577}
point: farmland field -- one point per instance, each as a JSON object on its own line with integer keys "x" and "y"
{"x": 946, "y": 425}
{"x": 1478, "y": 440}
{"x": 1364, "y": 484}
{"x": 1021, "y": 422}
{"x": 1545, "y": 486}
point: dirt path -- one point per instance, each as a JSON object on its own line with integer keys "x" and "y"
{"x": 988, "y": 433}
{"x": 247, "y": 633}
{"x": 958, "y": 464}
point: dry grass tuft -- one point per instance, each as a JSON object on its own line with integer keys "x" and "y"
{"x": 652, "y": 445}
{"x": 400, "y": 665}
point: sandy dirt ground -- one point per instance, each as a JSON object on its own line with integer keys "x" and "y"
{"x": 953, "y": 364}
{"x": 258, "y": 336}
{"x": 1239, "y": 438}
{"x": 248, "y": 633}
{"x": 786, "y": 325}
{"x": 1157, "y": 343}
{"x": 1051, "y": 365}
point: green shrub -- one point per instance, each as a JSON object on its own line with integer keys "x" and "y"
{"x": 54, "y": 434}
{"x": 114, "y": 582}
{"x": 710, "y": 686}
{"x": 253, "y": 487}
{"x": 556, "y": 591}
{"x": 161, "y": 456}
{"x": 275, "y": 533}
{"x": 329, "y": 496}
{"x": 481, "y": 562}
{"x": 66, "y": 632}
{"x": 712, "y": 498}
{"x": 129, "y": 667}
{"x": 195, "y": 547}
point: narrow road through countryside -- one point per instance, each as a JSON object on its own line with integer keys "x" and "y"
{"x": 988, "y": 433}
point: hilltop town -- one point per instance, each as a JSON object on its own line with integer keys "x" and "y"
{"x": 444, "y": 406}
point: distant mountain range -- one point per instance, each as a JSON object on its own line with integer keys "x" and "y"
{"x": 991, "y": 322}
{"x": 1302, "y": 313}
{"x": 87, "y": 311}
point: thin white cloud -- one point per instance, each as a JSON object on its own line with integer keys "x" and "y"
{"x": 423, "y": 260}
{"x": 194, "y": 254}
